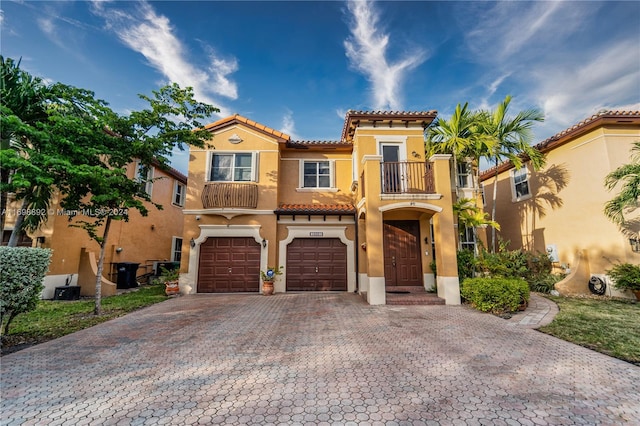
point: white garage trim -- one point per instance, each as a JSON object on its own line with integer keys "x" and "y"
{"x": 317, "y": 232}
{"x": 188, "y": 281}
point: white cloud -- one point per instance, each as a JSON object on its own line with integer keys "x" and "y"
{"x": 551, "y": 61}
{"x": 289, "y": 125}
{"x": 366, "y": 49}
{"x": 152, "y": 35}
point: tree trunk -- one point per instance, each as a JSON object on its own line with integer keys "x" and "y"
{"x": 103, "y": 246}
{"x": 17, "y": 227}
{"x": 493, "y": 210}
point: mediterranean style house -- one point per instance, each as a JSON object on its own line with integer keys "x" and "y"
{"x": 145, "y": 241}
{"x": 560, "y": 208}
{"x": 366, "y": 213}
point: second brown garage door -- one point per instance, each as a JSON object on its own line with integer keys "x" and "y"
{"x": 229, "y": 265}
{"x": 316, "y": 264}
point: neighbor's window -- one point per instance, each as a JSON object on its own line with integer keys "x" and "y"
{"x": 144, "y": 175}
{"x": 234, "y": 167}
{"x": 465, "y": 178}
{"x": 179, "y": 191}
{"x": 316, "y": 174}
{"x": 468, "y": 239}
{"x": 176, "y": 249}
{"x": 520, "y": 183}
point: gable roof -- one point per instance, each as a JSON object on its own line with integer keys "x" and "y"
{"x": 238, "y": 119}
{"x": 600, "y": 119}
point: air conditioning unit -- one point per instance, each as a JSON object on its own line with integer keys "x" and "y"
{"x": 598, "y": 284}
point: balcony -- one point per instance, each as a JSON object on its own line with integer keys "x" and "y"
{"x": 405, "y": 177}
{"x": 230, "y": 195}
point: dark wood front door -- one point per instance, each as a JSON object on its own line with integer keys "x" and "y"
{"x": 402, "y": 263}
{"x": 229, "y": 265}
{"x": 316, "y": 264}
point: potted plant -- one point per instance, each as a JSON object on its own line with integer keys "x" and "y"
{"x": 170, "y": 279}
{"x": 268, "y": 277}
{"x": 626, "y": 276}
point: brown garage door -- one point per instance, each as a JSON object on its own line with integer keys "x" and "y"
{"x": 229, "y": 265}
{"x": 316, "y": 265}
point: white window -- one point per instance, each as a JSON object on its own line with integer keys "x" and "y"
{"x": 176, "y": 249}
{"x": 233, "y": 167}
{"x": 520, "y": 180}
{"x": 317, "y": 174}
{"x": 144, "y": 175}
{"x": 465, "y": 176}
{"x": 179, "y": 191}
{"x": 468, "y": 239}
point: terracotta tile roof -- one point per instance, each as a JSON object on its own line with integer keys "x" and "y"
{"x": 318, "y": 209}
{"x": 319, "y": 145}
{"x": 237, "y": 118}
{"x": 596, "y": 120}
{"x": 403, "y": 116}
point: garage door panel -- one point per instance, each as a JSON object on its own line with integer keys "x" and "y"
{"x": 229, "y": 265}
{"x": 316, "y": 265}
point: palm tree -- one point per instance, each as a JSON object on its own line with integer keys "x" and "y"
{"x": 627, "y": 175}
{"x": 472, "y": 216}
{"x": 508, "y": 139}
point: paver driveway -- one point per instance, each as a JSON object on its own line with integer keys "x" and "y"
{"x": 315, "y": 358}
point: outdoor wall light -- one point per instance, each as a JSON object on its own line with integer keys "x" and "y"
{"x": 119, "y": 250}
{"x": 264, "y": 243}
{"x": 192, "y": 243}
{"x": 426, "y": 240}
{"x": 635, "y": 244}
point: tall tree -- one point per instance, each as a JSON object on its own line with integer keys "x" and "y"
{"x": 510, "y": 139}
{"x": 460, "y": 136}
{"x": 96, "y": 179}
{"x": 23, "y": 117}
{"x": 627, "y": 177}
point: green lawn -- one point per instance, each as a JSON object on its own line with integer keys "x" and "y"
{"x": 53, "y": 319}
{"x": 609, "y": 326}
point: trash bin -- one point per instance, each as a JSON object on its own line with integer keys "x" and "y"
{"x": 127, "y": 275}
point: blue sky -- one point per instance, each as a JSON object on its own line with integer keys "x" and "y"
{"x": 299, "y": 66}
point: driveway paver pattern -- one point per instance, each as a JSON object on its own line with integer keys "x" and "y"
{"x": 313, "y": 358}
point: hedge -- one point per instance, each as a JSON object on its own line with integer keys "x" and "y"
{"x": 22, "y": 272}
{"x": 495, "y": 295}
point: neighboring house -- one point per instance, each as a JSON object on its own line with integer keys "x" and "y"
{"x": 147, "y": 240}
{"x": 361, "y": 214}
{"x": 560, "y": 208}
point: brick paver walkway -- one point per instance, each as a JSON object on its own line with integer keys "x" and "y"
{"x": 314, "y": 358}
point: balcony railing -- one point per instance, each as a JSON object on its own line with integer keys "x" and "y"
{"x": 224, "y": 195}
{"x": 405, "y": 177}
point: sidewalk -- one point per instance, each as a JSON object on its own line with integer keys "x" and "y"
{"x": 540, "y": 312}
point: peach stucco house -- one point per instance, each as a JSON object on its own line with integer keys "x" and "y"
{"x": 560, "y": 208}
{"x": 360, "y": 214}
{"x": 143, "y": 240}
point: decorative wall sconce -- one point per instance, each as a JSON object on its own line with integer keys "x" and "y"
{"x": 264, "y": 243}
{"x": 153, "y": 227}
{"x": 119, "y": 250}
{"x": 635, "y": 244}
{"x": 192, "y": 243}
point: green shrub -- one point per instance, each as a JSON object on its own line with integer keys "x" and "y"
{"x": 22, "y": 271}
{"x": 466, "y": 264}
{"x": 495, "y": 295}
{"x": 625, "y": 276}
